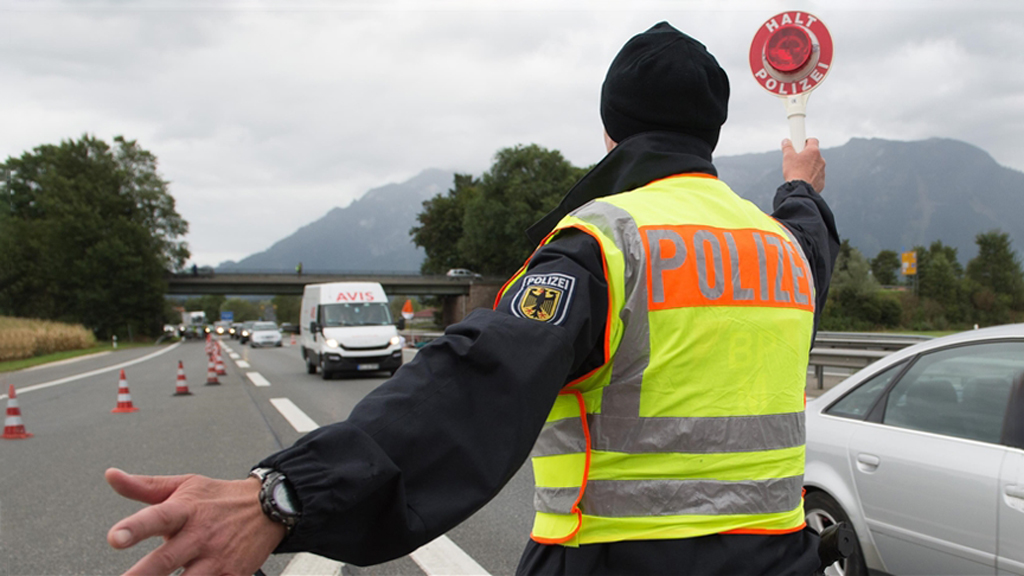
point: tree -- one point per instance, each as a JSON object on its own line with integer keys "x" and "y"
{"x": 242, "y": 310}
{"x": 287, "y": 308}
{"x": 523, "y": 184}
{"x": 87, "y": 232}
{"x": 884, "y": 267}
{"x": 997, "y": 283}
{"x": 441, "y": 226}
{"x": 996, "y": 266}
{"x": 855, "y": 300}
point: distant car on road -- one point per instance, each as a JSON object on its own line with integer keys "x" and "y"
{"x": 265, "y": 334}
{"x": 923, "y": 454}
{"x": 462, "y": 274}
{"x": 246, "y": 331}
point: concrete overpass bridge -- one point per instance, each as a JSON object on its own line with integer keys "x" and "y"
{"x": 459, "y": 296}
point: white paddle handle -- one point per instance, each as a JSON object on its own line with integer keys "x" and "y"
{"x": 796, "y": 112}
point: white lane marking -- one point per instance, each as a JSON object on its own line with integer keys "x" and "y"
{"x": 443, "y": 557}
{"x": 60, "y": 381}
{"x": 242, "y": 364}
{"x": 233, "y": 356}
{"x": 257, "y": 379}
{"x": 306, "y": 564}
{"x": 68, "y": 361}
{"x": 295, "y": 416}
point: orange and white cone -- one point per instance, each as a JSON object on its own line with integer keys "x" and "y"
{"x": 124, "y": 397}
{"x": 182, "y": 387}
{"x": 14, "y": 429}
{"x": 218, "y": 363}
{"x": 211, "y": 372}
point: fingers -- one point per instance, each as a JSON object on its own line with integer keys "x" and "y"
{"x": 167, "y": 558}
{"x": 147, "y": 489}
{"x": 160, "y": 520}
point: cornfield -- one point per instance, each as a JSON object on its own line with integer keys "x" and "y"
{"x": 23, "y": 338}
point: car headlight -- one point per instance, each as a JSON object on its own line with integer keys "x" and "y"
{"x": 332, "y": 343}
{"x": 395, "y": 340}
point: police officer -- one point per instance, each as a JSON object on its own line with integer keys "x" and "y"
{"x": 651, "y": 354}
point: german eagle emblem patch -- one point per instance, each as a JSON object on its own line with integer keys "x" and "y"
{"x": 544, "y": 297}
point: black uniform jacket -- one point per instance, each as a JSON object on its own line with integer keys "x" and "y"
{"x": 440, "y": 439}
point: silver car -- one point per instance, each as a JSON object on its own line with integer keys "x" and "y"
{"x": 923, "y": 453}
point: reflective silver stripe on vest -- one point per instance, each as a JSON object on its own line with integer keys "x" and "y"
{"x": 555, "y": 500}
{"x": 638, "y": 498}
{"x": 688, "y": 435}
{"x": 800, "y": 251}
{"x": 622, "y": 397}
{"x": 560, "y": 437}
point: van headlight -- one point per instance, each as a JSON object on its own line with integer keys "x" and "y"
{"x": 395, "y": 340}
{"x": 331, "y": 343}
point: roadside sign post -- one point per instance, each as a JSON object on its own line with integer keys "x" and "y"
{"x": 790, "y": 55}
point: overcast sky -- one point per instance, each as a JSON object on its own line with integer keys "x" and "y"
{"x": 265, "y": 115}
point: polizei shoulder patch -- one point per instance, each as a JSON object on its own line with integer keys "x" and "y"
{"x": 544, "y": 297}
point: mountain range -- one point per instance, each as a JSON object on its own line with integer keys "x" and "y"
{"x": 885, "y": 194}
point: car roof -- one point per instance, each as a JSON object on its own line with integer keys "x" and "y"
{"x": 980, "y": 335}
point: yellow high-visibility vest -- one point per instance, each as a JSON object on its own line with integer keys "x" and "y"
{"x": 694, "y": 424}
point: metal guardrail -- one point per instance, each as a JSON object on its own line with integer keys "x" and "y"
{"x": 854, "y": 350}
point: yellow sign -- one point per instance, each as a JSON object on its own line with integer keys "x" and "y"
{"x": 909, "y": 263}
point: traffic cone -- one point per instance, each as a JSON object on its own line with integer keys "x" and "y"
{"x": 13, "y": 428}
{"x": 293, "y": 340}
{"x": 124, "y": 397}
{"x": 182, "y": 388}
{"x": 218, "y": 363}
{"x": 211, "y": 372}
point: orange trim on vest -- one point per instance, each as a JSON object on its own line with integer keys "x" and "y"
{"x": 687, "y": 175}
{"x": 586, "y": 474}
{"x": 765, "y": 531}
{"x": 579, "y": 524}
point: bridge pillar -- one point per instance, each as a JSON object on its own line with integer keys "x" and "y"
{"x": 456, "y": 308}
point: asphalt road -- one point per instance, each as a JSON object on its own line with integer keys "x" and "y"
{"x": 55, "y": 507}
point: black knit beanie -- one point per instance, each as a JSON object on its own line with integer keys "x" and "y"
{"x": 664, "y": 80}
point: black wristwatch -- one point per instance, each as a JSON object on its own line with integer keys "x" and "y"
{"x": 277, "y": 499}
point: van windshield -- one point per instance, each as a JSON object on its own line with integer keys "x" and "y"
{"x": 355, "y": 314}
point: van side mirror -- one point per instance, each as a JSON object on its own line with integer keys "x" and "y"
{"x": 400, "y": 324}
{"x": 313, "y": 329}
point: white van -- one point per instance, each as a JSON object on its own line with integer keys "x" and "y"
{"x": 347, "y": 327}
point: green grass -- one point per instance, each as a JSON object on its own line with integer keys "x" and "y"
{"x": 13, "y": 365}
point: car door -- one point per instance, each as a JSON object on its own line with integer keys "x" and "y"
{"x": 1011, "y": 488}
{"x": 927, "y": 465}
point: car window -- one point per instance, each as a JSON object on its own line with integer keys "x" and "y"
{"x": 264, "y": 326}
{"x": 859, "y": 401}
{"x": 961, "y": 392}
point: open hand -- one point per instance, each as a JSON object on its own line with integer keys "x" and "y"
{"x": 209, "y": 526}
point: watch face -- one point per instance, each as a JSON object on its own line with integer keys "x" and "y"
{"x": 283, "y": 499}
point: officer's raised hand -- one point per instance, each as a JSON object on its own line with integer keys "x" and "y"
{"x": 806, "y": 165}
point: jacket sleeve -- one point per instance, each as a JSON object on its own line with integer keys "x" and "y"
{"x": 436, "y": 442}
{"x": 806, "y": 214}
